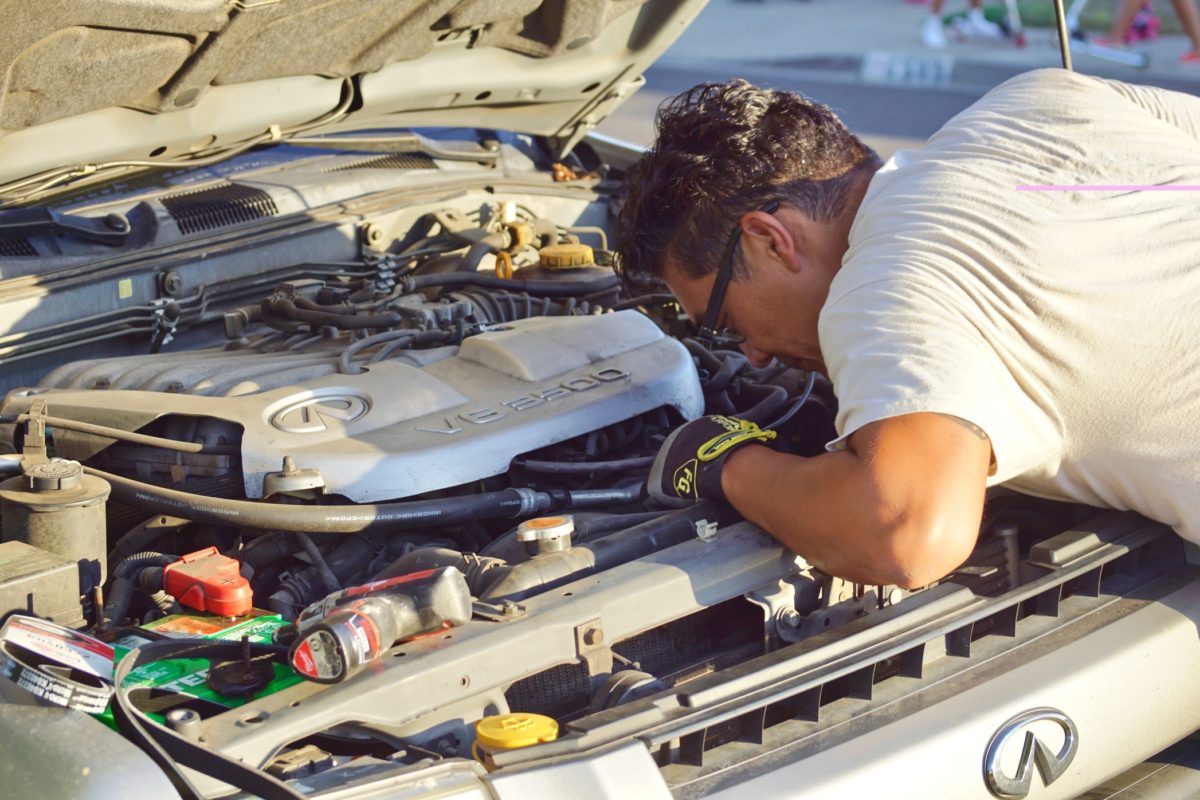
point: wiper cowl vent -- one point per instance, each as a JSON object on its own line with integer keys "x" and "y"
{"x": 219, "y": 206}
{"x": 16, "y": 246}
{"x": 390, "y": 161}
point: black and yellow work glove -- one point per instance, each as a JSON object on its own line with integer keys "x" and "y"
{"x": 688, "y": 465}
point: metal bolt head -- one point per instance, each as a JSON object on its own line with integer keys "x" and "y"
{"x": 183, "y": 720}
{"x": 372, "y": 235}
{"x": 593, "y": 637}
{"x": 170, "y": 283}
{"x": 182, "y": 715}
{"x": 790, "y": 618}
{"x": 508, "y": 608}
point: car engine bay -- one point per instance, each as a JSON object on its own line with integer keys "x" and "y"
{"x": 315, "y": 372}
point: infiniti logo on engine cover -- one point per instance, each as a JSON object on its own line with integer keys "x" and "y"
{"x": 1020, "y": 732}
{"x": 318, "y": 414}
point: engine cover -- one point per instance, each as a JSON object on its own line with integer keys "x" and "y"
{"x": 397, "y": 429}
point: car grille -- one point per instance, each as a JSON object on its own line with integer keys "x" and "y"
{"x": 806, "y": 697}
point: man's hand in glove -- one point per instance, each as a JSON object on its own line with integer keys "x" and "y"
{"x": 688, "y": 465}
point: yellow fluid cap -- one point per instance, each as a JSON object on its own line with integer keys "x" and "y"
{"x": 546, "y": 534}
{"x": 554, "y": 524}
{"x": 566, "y": 256}
{"x": 511, "y": 731}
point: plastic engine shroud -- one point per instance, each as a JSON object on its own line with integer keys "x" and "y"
{"x": 396, "y": 429}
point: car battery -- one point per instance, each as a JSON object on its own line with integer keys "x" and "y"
{"x": 187, "y": 682}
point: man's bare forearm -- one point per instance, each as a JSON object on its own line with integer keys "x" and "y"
{"x": 847, "y": 516}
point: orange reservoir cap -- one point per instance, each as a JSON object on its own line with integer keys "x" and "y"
{"x": 208, "y": 581}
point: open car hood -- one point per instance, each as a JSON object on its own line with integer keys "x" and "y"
{"x": 147, "y": 80}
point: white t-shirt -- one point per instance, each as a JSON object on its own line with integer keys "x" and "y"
{"x": 1065, "y": 324}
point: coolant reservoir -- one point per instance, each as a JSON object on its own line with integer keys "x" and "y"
{"x": 511, "y": 731}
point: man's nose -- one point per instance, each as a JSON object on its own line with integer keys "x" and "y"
{"x": 756, "y": 357}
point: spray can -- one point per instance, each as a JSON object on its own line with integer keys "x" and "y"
{"x": 337, "y": 636}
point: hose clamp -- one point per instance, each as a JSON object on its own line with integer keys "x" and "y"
{"x": 531, "y": 501}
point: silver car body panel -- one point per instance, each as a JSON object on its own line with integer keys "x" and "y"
{"x": 470, "y": 673}
{"x": 88, "y": 83}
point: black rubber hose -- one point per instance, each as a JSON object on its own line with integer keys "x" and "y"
{"x": 774, "y": 398}
{"x": 534, "y": 287}
{"x": 796, "y": 405}
{"x": 547, "y": 571}
{"x": 506, "y": 503}
{"x": 284, "y": 603}
{"x": 499, "y": 306}
{"x": 392, "y": 340}
{"x": 649, "y": 537}
{"x": 283, "y": 307}
{"x": 615, "y": 496}
{"x": 584, "y": 467}
{"x": 476, "y": 569}
{"x": 313, "y": 305}
{"x": 296, "y": 592}
{"x": 267, "y": 549}
{"x": 328, "y": 579}
{"x": 140, "y": 537}
{"x": 731, "y": 366}
{"x": 134, "y": 564}
{"x": 351, "y": 556}
{"x": 492, "y": 243}
{"x": 588, "y": 527}
{"x": 124, "y": 580}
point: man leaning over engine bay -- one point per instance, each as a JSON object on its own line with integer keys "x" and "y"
{"x": 976, "y": 333}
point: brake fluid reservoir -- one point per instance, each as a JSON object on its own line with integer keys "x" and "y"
{"x": 510, "y": 732}
{"x": 568, "y": 255}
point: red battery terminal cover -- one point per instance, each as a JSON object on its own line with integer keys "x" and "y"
{"x": 208, "y": 581}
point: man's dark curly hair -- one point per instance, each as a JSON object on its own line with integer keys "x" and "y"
{"x": 724, "y": 149}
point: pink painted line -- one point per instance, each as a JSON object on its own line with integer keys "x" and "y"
{"x": 1089, "y": 187}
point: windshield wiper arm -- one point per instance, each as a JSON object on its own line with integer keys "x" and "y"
{"x": 111, "y": 229}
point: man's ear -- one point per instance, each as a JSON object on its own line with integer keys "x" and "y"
{"x": 765, "y": 236}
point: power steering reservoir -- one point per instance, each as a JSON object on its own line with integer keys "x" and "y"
{"x": 54, "y": 506}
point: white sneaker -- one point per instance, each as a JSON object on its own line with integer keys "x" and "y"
{"x": 932, "y": 34}
{"x": 978, "y": 25}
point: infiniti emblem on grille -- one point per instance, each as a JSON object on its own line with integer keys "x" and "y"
{"x": 1027, "y": 729}
{"x": 317, "y": 414}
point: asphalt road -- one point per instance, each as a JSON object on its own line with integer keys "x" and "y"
{"x": 892, "y": 102}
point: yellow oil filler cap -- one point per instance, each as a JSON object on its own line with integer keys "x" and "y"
{"x": 566, "y": 256}
{"x": 511, "y": 731}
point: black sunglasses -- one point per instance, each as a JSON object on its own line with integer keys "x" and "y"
{"x": 708, "y": 332}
